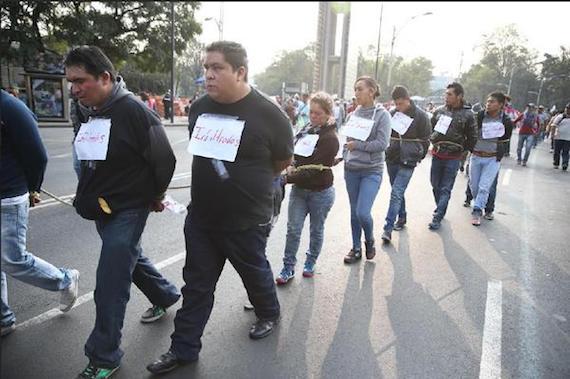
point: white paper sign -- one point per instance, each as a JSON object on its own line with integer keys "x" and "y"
{"x": 401, "y": 123}
{"x": 305, "y": 146}
{"x": 493, "y": 129}
{"x": 341, "y": 143}
{"x": 92, "y": 140}
{"x": 358, "y": 128}
{"x": 218, "y": 138}
{"x": 443, "y": 124}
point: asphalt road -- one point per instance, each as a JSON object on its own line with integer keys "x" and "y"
{"x": 462, "y": 302}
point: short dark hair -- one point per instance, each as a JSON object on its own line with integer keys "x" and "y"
{"x": 370, "y": 82}
{"x": 499, "y": 96}
{"x": 400, "y": 92}
{"x": 234, "y": 53}
{"x": 457, "y": 88}
{"x": 92, "y": 59}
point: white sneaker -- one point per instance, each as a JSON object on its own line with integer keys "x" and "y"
{"x": 69, "y": 295}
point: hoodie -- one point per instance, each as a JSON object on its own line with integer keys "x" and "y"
{"x": 139, "y": 163}
{"x": 369, "y": 154}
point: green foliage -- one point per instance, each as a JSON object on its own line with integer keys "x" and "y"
{"x": 504, "y": 53}
{"x": 294, "y": 66}
{"x": 556, "y": 74}
{"x": 414, "y": 75}
{"x": 134, "y": 31}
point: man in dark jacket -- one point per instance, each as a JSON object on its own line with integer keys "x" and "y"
{"x": 454, "y": 131}
{"x": 127, "y": 164}
{"x": 24, "y": 161}
{"x": 494, "y": 131}
{"x": 408, "y": 146}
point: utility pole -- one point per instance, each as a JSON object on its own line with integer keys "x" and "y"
{"x": 511, "y": 81}
{"x": 172, "y": 68}
{"x": 378, "y": 46}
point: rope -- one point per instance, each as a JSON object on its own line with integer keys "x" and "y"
{"x": 319, "y": 167}
{"x": 56, "y": 198}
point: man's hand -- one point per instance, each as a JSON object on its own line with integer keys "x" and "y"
{"x": 351, "y": 145}
{"x": 156, "y": 206}
{"x": 34, "y": 199}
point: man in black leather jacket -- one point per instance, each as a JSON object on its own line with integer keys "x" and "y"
{"x": 454, "y": 132}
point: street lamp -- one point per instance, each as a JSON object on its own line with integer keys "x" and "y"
{"x": 219, "y": 25}
{"x": 219, "y": 22}
{"x": 394, "y": 35}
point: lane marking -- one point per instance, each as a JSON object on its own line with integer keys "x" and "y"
{"x": 54, "y": 312}
{"x": 507, "y": 177}
{"x": 492, "y": 332}
{"x": 61, "y": 156}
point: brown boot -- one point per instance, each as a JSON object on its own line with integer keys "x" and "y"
{"x": 353, "y": 256}
{"x": 370, "y": 250}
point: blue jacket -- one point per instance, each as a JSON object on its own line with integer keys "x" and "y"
{"x": 23, "y": 155}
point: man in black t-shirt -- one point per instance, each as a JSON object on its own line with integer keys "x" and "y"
{"x": 240, "y": 140}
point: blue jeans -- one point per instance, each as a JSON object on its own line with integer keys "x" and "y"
{"x": 21, "y": 264}
{"x": 443, "y": 174}
{"x": 120, "y": 264}
{"x": 362, "y": 188}
{"x": 482, "y": 173}
{"x": 529, "y": 138}
{"x": 302, "y": 202}
{"x": 206, "y": 254}
{"x": 400, "y": 176}
{"x": 490, "y": 206}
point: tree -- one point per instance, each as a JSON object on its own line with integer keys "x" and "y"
{"x": 293, "y": 66}
{"x": 126, "y": 31}
{"x": 505, "y": 56}
{"x": 556, "y": 76}
{"x": 414, "y": 75}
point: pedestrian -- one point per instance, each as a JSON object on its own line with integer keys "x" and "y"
{"x": 527, "y": 133}
{"x": 167, "y": 103}
{"x": 454, "y": 131}
{"x": 561, "y": 136}
{"x": 232, "y": 204}
{"x": 409, "y": 145}
{"x": 122, "y": 180}
{"x": 490, "y": 206}
{"x": 513, "y": 115}
{"x": 338, "y": 112}
{"x": 494, "y": 128}
{"x": 368, "y": 135}
{"x": 316, "y": 147}
{"x": 303, "y": 111}
{"x": 24, "y": 161}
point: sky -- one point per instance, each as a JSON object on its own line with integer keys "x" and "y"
{"x": 454, "y": 29}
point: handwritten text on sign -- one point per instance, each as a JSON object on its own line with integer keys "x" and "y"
{"x": 493, "y": 129}
{"x": 92, "y": 140}
{"x": 358, "y": 128}
{"x": 306, "y": 145}
{"x": 217, "y": 138}
{"x": 401, "y": 122}
{"x": 443, "y": 124}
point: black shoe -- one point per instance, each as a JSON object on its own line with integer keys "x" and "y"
{"x": 400, "y": 224}
{"x": 167, "y": 362}
{"x": 353, "y": 256}
{"x": 435, "y": 224}
{"x": 564, "y": 168}
{"x": 467, "y": 203}
{"x": 262, "y": 328}
{"x": 370, "y": 250}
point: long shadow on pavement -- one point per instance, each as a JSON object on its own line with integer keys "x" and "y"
{"x": 351, "y": 354}
{"x": 429, "y": 344}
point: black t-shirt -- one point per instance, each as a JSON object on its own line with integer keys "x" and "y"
{"x": 245, "y": 198}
